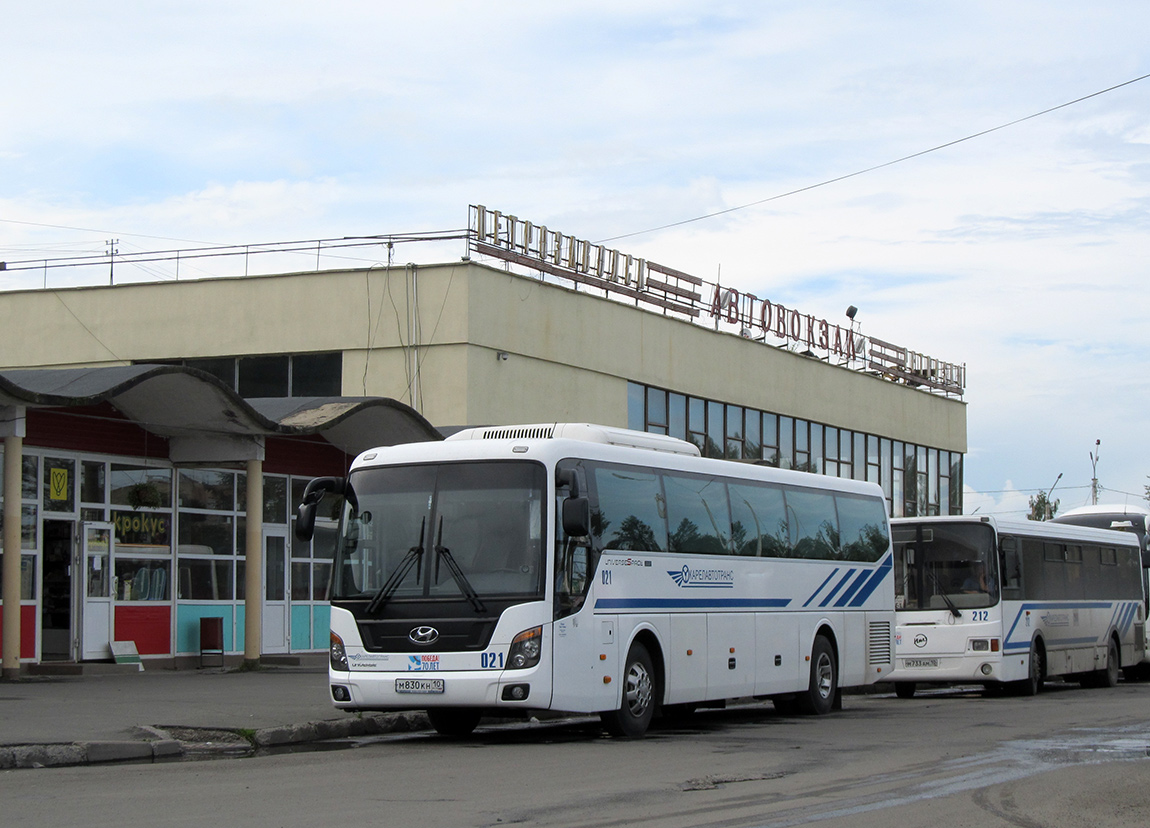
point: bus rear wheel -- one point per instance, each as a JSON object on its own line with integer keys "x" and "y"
{"x": 633, "y": 717}
{"x": 1108, "y": 675}
{"x": 453, "y": 721}
{"x": 819, "y": 697}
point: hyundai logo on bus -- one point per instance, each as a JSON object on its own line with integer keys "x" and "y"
{"x": 424, "y": 635}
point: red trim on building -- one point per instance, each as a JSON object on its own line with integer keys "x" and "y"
{"x": 150, "y": 627}
{"x": 29, "y": 623}
{"x": 304, "y": 456}
{"x": 96, "y": 429}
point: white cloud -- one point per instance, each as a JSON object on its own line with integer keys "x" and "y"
{"x": 1021, "y": 253}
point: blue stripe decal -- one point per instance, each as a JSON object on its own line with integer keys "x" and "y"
{"x": 1128, "y": 619}
{"x": 1115, "y": 617}
{"x": 1025, "y": 645}
{"x": 823, "y": 584}
{"x": 690, "y": 603}
{"x": 876, "y": 578}
{"x": 838, "y": 586}
{"x": 854, "y": 587}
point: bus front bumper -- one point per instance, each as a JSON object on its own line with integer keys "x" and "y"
{"x": 420, "y": 690}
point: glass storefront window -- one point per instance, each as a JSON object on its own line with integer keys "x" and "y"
{"x": 204, "y": 579}
{"x": 207, "y": 489}
{"x": 59, "y": 489}
{"x": 93, "y": 488}
{"x": 139, "y": 529}
{"x": 142, "y": 579}
{"x": 27, "y": 528}
{"x": 30, "y": 477}
{"x": 140, "y": 486}
{"x": 276, "y": 507}
{"x": 27, "y": 576}
{"x": 206, "y": 534}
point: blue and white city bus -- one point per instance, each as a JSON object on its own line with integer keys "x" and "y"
{"x": 1123, "y": 518}
{"x": 588, "y": 569}
{"x": 1013, "y": 602}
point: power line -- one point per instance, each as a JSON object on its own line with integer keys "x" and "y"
{"x": 913, "y": 155}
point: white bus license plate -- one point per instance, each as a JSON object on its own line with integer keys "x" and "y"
{"x": 419, "y": 685}
{"x": 919, "y": 662}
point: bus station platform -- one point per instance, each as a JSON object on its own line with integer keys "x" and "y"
{"x": 154, "y": 715}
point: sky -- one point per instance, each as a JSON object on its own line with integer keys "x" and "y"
{"x": 1021, "y": 252}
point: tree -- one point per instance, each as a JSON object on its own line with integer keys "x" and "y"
{"x": 1042, "y": 508}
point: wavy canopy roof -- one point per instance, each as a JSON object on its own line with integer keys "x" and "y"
{"x": 186, "y": 403}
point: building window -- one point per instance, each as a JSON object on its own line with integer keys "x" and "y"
{"x": 282, "y": 375}
{"x": 916, "y": 480}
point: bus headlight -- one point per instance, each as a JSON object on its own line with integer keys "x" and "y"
{"x": 525, "y": 649}
{"x": 337, "y": 655}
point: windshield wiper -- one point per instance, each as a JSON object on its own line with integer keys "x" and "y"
{"x": 442, "y": 552}
{"x": 414, "y": 557}
{"x": 942, "y": 594}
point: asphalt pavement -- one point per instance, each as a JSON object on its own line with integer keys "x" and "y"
{"x": 174, "y": 715}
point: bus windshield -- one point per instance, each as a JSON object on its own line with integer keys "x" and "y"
{"x": 947, "y": 566}
{"x": 456, "y": 531}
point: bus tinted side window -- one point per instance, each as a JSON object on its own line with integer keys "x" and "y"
{"x": 628, "y": 511}
{"x": 814, "y": 531}
{"x": 862, "y": 528}
{"x": 698, "y": 516}
{"x": 759, "y": 520}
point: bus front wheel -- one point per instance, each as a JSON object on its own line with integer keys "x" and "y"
{"x": 453, "y": 721}
{"x": 819, "y": 697}
{"x": 1036, "y": 672}
{"x": 904, "y": 689}
{"x": 633, "y": 717}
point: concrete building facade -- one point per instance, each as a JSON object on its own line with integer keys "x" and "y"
{"x": 517, "y": 331}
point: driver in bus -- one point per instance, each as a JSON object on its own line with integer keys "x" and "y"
{"x": 976, "y": 580}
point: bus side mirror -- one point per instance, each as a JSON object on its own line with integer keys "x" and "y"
{"x": 312, "y": 495}
{"x": 572, "y": 479}
{"x": 576, "y": 517}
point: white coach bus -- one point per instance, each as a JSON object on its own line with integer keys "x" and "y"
{"x": 1013, "y": 602}
{"x": 586, "y": 569}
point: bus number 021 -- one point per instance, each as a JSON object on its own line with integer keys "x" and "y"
{"x": 491, "y": 661}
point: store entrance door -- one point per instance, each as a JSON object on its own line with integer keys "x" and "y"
{"x": 96, "y": 602}
{"x": 276, "y": 630}
{"x": 56, "y": 599}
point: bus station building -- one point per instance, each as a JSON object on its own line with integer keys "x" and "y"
{"x": 158, "y": 433}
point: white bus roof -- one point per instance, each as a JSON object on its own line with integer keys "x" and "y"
{"x": 586, "y": 432}
{"x": 1105, "y": 509}
{"x": 1022, "y": 526}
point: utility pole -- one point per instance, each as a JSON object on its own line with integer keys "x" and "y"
{"x": 1094, "y": 474}
{"x": 112, "y": 251}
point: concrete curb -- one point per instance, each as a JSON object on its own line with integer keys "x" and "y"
{"x": 173, "y": 743}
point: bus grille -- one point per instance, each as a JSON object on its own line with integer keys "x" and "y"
{"x": 878, "y": 643}
{"x": 518, "y": 433}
